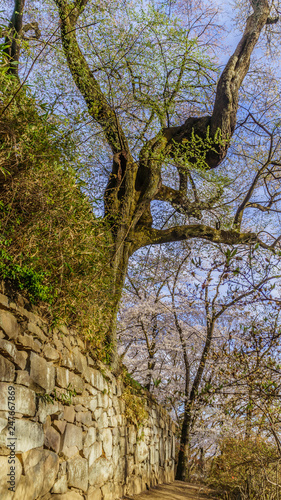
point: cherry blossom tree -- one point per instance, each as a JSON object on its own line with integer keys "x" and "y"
{"x": 176, "y": 325}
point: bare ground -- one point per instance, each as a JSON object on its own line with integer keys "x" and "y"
{"x": 175, "y": 491}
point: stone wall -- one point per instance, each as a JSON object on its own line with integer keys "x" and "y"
{"x": 55, "y": 444}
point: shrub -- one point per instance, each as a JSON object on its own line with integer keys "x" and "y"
{"x": 51, "y": 245}
{"x": 246, "y": 469}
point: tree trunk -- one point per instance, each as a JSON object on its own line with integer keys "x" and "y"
{"x": 119, "y": 265}
{"x": 12, "y": 48}
{"x": 182, "y": 473}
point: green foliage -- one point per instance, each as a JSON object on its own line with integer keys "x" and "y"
{"x": 134, "y": 398}
{"x": 197, "y": 148}
{"x": 64, "y": 397}
{"x": 25, "y": 278}
{"x": 246, "y": 469}
{"x": 134, "y": 384}
{"x": 52, "y": 247}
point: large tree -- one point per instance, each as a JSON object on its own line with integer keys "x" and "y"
{"x": 138, "y": 176}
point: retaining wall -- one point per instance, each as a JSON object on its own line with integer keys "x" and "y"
{"x": 55, "y": 444}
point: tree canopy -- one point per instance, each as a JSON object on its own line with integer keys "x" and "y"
{"x": 161, "y": 125}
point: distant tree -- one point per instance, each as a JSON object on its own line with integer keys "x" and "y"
{"x": 178, "y": 330}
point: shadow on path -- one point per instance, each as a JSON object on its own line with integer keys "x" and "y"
{"x": 175, "y": 491}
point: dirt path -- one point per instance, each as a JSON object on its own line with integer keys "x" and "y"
{"x": 175, "y": 491}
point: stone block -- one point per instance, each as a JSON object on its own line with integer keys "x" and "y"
{"x": 52, "y": 439}
{"x": 58, "y": 343}
{"x": 29, "y": 343}
{"x": 116, "y": 455}
{"x": 85, "y": 417}
{"x": 7, "y": 370}
{"x": 47, "y": 423}
{"x": 131, "y": 468}
{"x": 77, "y": 473}
{"x": 4, "y": 301}
{"x": 108, "y": 491}
{"x": 72, "y": 338}
{"x": 50, "y": 353}
{"x": 114, "y": 387}
{"x": 112, "y": 422}
{"x": 80, "y": 361}
{"x": 59, "y": 425}
{"x": 15, "y": 475}
{"x": 62, "y": 469}
{"x": 23, "y": 312}
{"x": 86, "y": 374}
{"x": 69, "y": 495}
{"x": 102, "y": 421}
{"x": 115, "y": 404}
{"x": 97, "y": 380}
{"x": 23, "y": 378}
{"x": 105, "y": 371}
{"x": 80, "y": 342}
{"x": 22, "y": 491}
{"x": 93, "y": 403}
{"x": 105, "y": 401}
{"x": 120, "y": 490}
{"x": 132, "y": 435}
{"x": 142, "y": 451}
{"x": 83, "y": 400}
{"x": 95, "y": 452}
{"x": 152, "y": 458}
{"x": 77, "y": 383}
{"x": 134, "y": 485}
{"x": 119, "y": 387}
{"x": 3, "y": 422}
{"x": 65, "y": 333}
{"x": 10, "y": 352}
{"x": 9, "y": 324}
{"x": 28, "y": 435}
{"x": 41, "y": 468}
{"x": 99, "y": 400}
{"x": 106, "y": 437}
{"x": 110, "y": 411}
{"x": 67, "y": 379}
{"x": 92, "y": 390}
{"x": 67, "y": 358}
{"x": 69, "y": 414}
{"x": 42, "y": 372}
{"x": 37, "y": 332}
{"x": 79, "y": 407}
{"x": 45, "y": 409}
{"x": 90, "y": 361}
{"x": 24, "y": 399}
{"x": 100, "y": 472}
{"x": 94, "y": 493}
{"x": 115, "y": 432}
{"x": 72, "y": 440}
{"x": 91, "y": 437}
{"x": 60, "y": 485}
{"x": 120, "y": 470}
